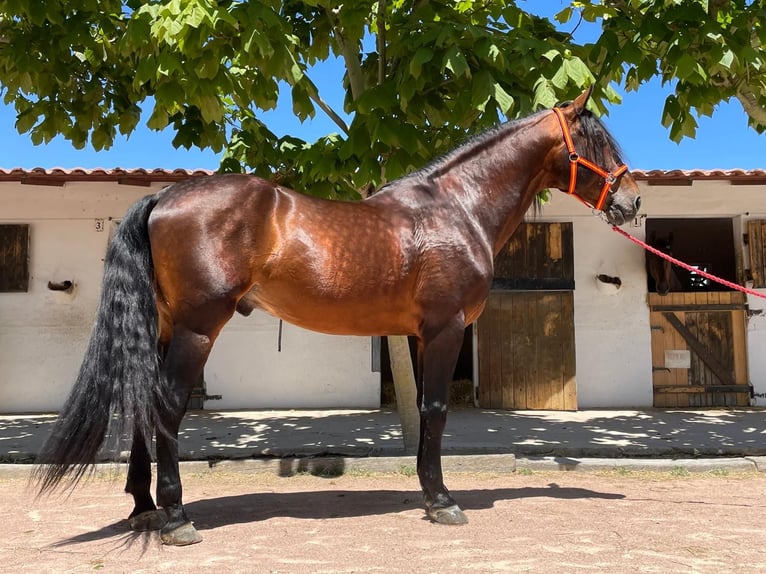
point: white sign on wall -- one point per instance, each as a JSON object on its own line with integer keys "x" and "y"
{"x": 678, "y": 359}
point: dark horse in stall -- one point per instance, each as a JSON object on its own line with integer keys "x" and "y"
{"x": 416, "y": 258}
{"x": 662, "y": 276}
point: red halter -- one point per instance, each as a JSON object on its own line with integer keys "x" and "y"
{"x": 574, "y": 159}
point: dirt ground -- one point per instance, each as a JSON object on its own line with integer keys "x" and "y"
{"x": 551, "y": 522}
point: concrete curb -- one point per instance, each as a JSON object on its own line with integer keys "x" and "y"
{"x": 489, "y": 463}
{"x": 690, "y": 465}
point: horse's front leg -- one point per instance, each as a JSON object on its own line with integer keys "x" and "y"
{"x": 440, "y": 354}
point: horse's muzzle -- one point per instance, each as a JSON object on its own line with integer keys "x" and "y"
{"x": 622, "y": 209}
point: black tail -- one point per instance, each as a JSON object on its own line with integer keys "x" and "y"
{"x": 119, "y": 386}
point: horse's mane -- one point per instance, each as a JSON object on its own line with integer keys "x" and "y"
{"x": 473, "y": 145}
{"x": 595, "y": 143}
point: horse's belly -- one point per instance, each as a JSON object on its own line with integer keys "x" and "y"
{"x": 336, "y": 316}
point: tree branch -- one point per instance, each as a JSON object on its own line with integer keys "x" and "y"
{"x": 315, "y": 97}
{"x": 746, "y": 95}
{"x": 570, "y": 35}
{"x": 749, "y": 100}
{"x": 381, "y": 41}
{"x": 350, "y": 52}
{"x": 714, "y": 6}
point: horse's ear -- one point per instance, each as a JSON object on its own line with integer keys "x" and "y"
{"x": 582, "y": 100}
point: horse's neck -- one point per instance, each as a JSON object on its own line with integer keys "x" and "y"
{"x": 490, "y": 182}
{"x": 499, "y": 182}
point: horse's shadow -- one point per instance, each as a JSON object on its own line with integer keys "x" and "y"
{"x": 214, "y": 513}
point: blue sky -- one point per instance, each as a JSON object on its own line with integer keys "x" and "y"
{"x": 723, "y": 142}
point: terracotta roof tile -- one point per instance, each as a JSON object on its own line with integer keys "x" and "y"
{"x": 59, "y": 176}
{"x": 681, "y": 176}
{"x": 141, "y": 176}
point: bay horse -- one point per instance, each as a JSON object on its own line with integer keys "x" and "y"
{"x": 415, "y": 258}
{"x": 662, "y": 276}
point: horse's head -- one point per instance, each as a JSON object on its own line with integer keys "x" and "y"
{"x": 661, "y": 270}
{"x": 588, "y": 163}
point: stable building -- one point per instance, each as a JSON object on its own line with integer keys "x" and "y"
{"x": 571, "y": 322}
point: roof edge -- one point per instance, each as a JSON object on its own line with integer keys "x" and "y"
{"x": 686, "y": 177}
{"x": 141, "y": 176}
{"x": 60, "y": 176}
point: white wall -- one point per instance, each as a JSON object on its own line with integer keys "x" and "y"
{"x": 43, "y": 334}
{"x": 311, "y": 371}
{"x": 612, "y": 336}
{"x": 756, "y": 342}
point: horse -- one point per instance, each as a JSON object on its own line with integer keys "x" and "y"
{"x": 415, "y": 258}
{"x": 662, "y": 277}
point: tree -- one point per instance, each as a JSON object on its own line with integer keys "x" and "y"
{"x": 712, "y": 51}
{"x": 419, "y": 74}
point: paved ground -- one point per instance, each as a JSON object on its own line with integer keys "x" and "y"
{"x": 639, "y": 434}
{"x": 539, "y": 522}
{"x": 300, "y": 491}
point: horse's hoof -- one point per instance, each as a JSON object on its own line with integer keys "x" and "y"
{"x": 148, "y": 520}
{"x": 450, "y": 515}
{"x": 181, "y": 536}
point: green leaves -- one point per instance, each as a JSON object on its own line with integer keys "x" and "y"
{"x": 422, "y": 56}
{"x": 545, "y": 94}
{"x": 425, "y": 74}
{"x": 709, "y": 51}
{"x": 455, "y": 62}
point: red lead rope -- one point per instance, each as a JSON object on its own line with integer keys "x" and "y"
{"x": 695, "y": 270}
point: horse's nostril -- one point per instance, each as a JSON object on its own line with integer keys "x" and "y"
{"x": 637, "y": 203}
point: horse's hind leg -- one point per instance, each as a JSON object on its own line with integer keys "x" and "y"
{"x": 188, "y": 351}
{"x": 440, "y": 354}
{"x": 145, "y": 515}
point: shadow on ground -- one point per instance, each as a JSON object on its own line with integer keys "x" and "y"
{"x": 214, "y": 512}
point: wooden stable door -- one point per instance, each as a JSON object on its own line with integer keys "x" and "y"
{"x": 525, "y": 336}
{"x": 527, "y": 358}
{"x": 698, "y": 349}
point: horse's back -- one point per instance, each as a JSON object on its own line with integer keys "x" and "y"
{"x": 317, "y": 263}
{"x": 372, "y": 267}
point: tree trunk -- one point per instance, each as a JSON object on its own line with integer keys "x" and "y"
{"x": 398, "y": 348}
{"x": 406, "y": 392}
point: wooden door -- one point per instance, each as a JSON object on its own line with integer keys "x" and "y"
{"x": 699, "y": 354}
{"x": 756, "y": 244}
{"x": 527, "y": 353}
{"x": 14, "y": 258}
{"x": 525, "y": 336}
